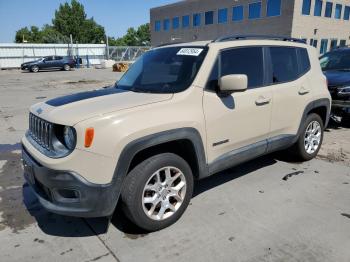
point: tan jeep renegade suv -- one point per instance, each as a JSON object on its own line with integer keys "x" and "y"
{"x": 181, "y": 112}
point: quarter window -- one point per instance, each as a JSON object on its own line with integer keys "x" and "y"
{"x": 185, "y": 21}
{"x": 338, "y": 9}
{"x": 176, "y": 22}
{"x": 209, "y": 17}
{"x": 306, "y": 7}
{"x": 237, "y": 13}
{"x": 329, "y": 8}
{"x": 284, "y": 64}
{"x": 273, "y": 8}
{"x": 255, "y": 10}
{"x": 318, "y": 8}
{"x": 241, "y": 61}
{"x": 196, "y": 19}
{"x": 222, "y": 16}
{"x": 304, "y": 60}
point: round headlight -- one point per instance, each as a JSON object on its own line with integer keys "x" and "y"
{"x": 69, "y": 137}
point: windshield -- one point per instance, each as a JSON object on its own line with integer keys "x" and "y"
{"x": 164, "y": 70}
{"x": 335, "y": 61}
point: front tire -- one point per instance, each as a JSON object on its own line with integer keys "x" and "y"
{"x": 310, "y": 139}
{"x": 34, "y": 69}
{"x": 66, "y": 67}
{"x": 157, "y": 191}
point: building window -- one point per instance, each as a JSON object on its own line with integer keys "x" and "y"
{"x": 324, "y": 46}
{"x": 342, "y": 42}
{"x": 222, "y": 16}
{"x": 157, "y": 26}
{"x": 329, "y": 8}
{"x": 166, "y": 24}
{"x": 334, "y": 43}
{"x": 318, "y": 8}
{"x": 273, "y": 8}
{"x": 338, "y": 9}
{"x": 346, "y": 12}
{"x": 306, "y": 7}
{"x": 237, "y": 13}
{"x": 255, "y": 10}
{"x": 176, "y": 22}
{"x": 313, "y": 42}
{"x": 185, "y": 21}
{"x": 196, "y": 19}
{"x": 209, "y": 17}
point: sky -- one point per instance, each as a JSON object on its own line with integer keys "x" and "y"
{"x": 115, "y": 15}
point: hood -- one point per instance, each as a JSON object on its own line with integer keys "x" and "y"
{"x": 31, "y": 62}
{"x": 337, "y": 77}
{"x": 71, "y": 109}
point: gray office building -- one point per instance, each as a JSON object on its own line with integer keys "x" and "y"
{"x": 324, "y": 24}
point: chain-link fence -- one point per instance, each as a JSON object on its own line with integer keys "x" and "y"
{"x": 126, "y": 53}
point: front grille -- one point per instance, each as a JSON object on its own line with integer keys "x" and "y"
{"x": 41, "y": 131}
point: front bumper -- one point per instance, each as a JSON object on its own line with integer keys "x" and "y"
{"x": 67, "y": 193}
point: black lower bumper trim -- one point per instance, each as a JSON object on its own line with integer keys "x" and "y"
{"x": 67, "y": 193}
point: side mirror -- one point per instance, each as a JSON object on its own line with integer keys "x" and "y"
{"x": 233, "y": 83}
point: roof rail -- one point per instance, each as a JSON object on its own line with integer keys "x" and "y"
{"x": 266, "y": 37}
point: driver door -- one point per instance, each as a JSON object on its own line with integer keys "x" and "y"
{"x": 237, "y": 124}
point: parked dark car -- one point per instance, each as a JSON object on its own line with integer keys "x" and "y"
{"x": 49, "y": 62}
{"x": 336, "y": 66}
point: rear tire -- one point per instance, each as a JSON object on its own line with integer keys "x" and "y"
{"x": 34, "y": 69}
{"x": 157, "y": 191}
{"x": 310, "y": 139}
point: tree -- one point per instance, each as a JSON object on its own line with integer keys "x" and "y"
{"x": 139, "y": 37}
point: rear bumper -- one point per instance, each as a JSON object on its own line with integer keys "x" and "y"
{"x": 67, "y": 193}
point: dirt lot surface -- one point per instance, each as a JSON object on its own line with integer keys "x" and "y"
{"x": 265, "y": 210}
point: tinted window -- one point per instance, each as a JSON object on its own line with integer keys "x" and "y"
{"x": 337, "y": 60}
{"x": 318, "y": 8}
{"x": 196, "y": 19}
{"x": 328, "y": 11}
{"x": 48, "y": 58}
{"x": 166, "y": 24}
{"x": 237, "y": 13}
{"x": 284, "y": 64}
{"x": 304, "y": 60}
{"x": 157, "y": 26}
{"x": 346, "y": 12}
{"x": 209, "y": 17}
{"x": 58, "y": 57}
{"x": 222, "y": 16}
{"x": 255, "y": 10}
{"x": 247, "y": 61}
{"x": 273, "y": 7}
{"x": 176, "y": 22}
{"x": 185, "y": 21}
{"x": 306, "y": 7}
{"x": 338, "y": 9}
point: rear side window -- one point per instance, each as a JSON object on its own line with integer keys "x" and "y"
{"x": 248, "y": 61}
{"x": 288, "y": 63}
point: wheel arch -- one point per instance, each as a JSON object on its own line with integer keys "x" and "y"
{"x": 322, "y": 107}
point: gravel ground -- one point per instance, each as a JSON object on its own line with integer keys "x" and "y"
{"x": 265, "y": 210}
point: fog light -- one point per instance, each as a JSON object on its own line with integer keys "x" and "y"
{"x": 68, "y": 193}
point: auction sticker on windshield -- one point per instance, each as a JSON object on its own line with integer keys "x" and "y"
{"x": 190, "y": 51}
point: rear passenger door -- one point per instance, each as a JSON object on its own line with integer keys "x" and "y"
{"x": 291, "y": 90}
{"x": 240, "y": 120}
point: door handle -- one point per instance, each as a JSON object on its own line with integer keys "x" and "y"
{"x": 303, "y": 91}
{"x": 262, "y": 101}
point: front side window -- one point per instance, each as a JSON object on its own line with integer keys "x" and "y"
{"x": 337, "y": 60}
{"x": 185, "y": 21}
{"x": 248, "y": 61}
{"x": 164, "y": 70}
{"x": 222, "y": 16}
{"x": 209, "y": 17}
{"x": 273, "y": 8}
{"x": 255, "y": 10}
{"x": 324, "y": 46}
{"x": 306, "y": 7}
{"x": 329, "y": 9}
{"x": 318, "y": 8}
{"x": 346, "y": 12}
{"x": 176, "y": 22}
{"x": 157, "y": 26}
{"x": 166, "y": 24}
{"x": 237, "y": 13}
{"x": 196, "y": 19}
{"x": 284, "y": 64}
{"x": 338, "y": 9}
